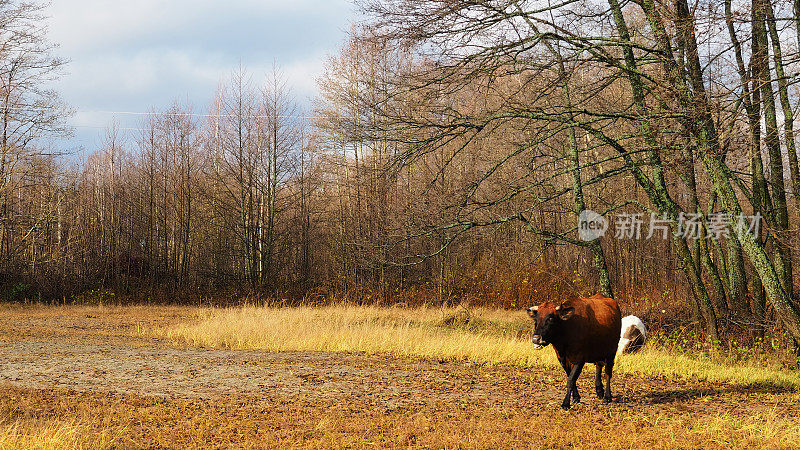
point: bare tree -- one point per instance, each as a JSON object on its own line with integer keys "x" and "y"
{"x": 29, "y": 111}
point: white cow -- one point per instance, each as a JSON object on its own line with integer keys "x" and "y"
{"x": 633, "y": 335}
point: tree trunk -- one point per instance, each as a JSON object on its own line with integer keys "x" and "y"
{"x": 788, "y": 114}
{"x": 783, "y": 259}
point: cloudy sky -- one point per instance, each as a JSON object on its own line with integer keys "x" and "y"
{"x": 129, "y": 56}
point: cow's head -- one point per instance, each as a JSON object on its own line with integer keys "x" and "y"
{"x": 548, "y": 319}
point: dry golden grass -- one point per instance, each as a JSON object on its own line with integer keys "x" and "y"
{"x": 479, "y": 335}
{"x": 54, "y": 434}
{"x": 768, "y": 429}
{"x": 487, "y": 337}
{"x": 240, "y": 422}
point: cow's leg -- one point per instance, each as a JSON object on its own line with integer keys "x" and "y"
{"x": 609, "y": 369}
{"x": 573, "y": 377}
{"x": 567, "y": 366}
{"x": 598, "y": 382}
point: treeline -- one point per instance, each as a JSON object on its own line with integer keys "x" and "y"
{"x": 449, "y": 155}
{"x": 684, "y": 111}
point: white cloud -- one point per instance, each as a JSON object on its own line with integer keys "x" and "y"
{"x": 86, "y": 25}
{"x": 133, "y": 56}
{"x": 160, "y": 76}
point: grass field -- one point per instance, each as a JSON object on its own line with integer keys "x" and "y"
{"x": 477, "y": 335}
{"x": 19, "y": 434}
{"x": 346, "y": 376}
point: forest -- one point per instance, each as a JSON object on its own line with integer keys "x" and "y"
{"x": 447, "y": 159}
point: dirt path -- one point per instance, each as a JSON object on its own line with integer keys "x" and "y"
{"x": 95, "y": 351}
{"x": 179, "y": 372}
{"x": 85, "y": 361}
{"x": 160, "y": 370}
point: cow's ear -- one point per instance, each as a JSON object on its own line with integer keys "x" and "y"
{"x": 532, "y": 311}
{"x": 565, "y": 312}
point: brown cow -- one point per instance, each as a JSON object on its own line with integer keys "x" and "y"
{"x": 582, "y": 330}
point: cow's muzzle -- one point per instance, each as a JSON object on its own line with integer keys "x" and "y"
{"x": 538, "y": 342}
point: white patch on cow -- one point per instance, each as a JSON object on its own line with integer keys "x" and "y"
{"x": 629, "y": 340}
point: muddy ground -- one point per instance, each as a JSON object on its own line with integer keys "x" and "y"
{"x": 101, "y": 367}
